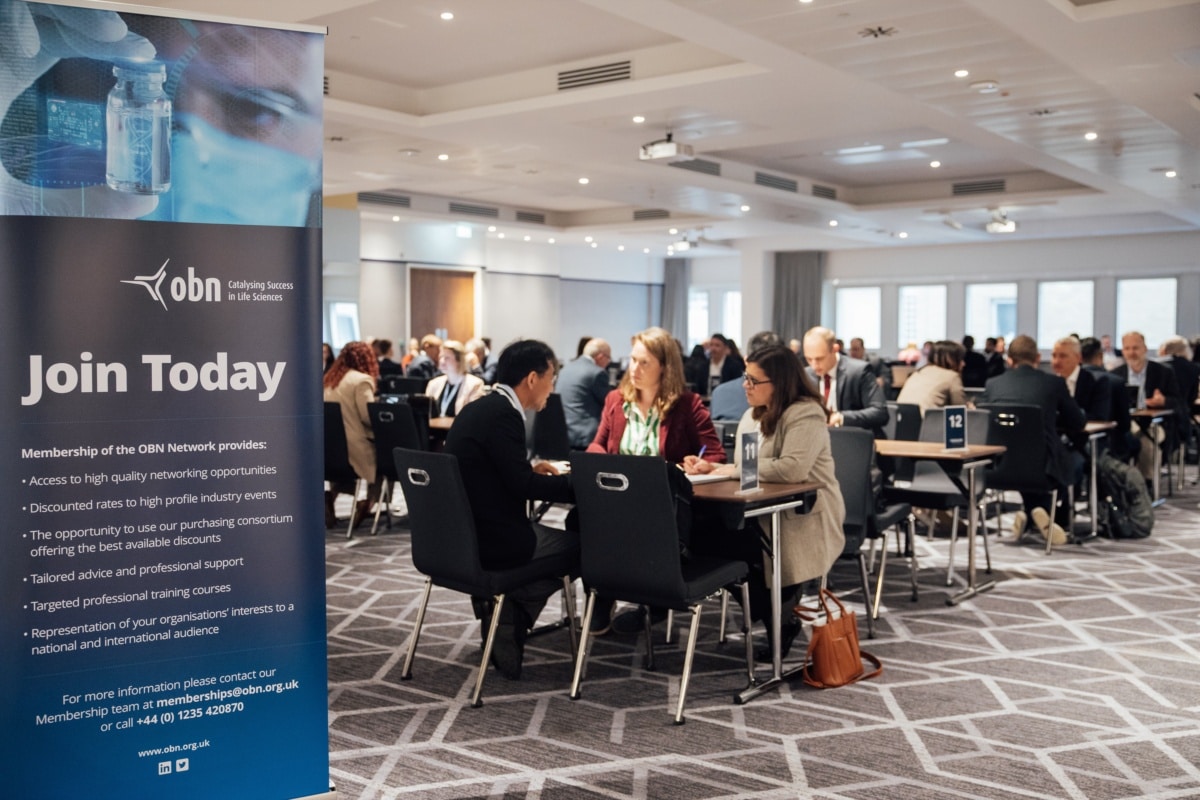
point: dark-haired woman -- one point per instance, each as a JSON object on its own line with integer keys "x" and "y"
{"x": 350, "y": 383}
{"x": 787, "y": 412}
{"x": 939, "y": 383}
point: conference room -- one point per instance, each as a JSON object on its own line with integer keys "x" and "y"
{"x": 901, "y": 173}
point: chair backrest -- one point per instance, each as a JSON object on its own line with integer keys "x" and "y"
{"x": 394, "y": 426}
{"x": 444, "y": 546}
{"x": 628, "y": 539}
{"x": 1023, "y": 465}
{"x": 550, "y": 437}
{"x": 852, "y": 449}
{"x": 933, "y": 427}
{"x": 727, "y": 430}
{"x": 904, "y": 422}
{"x": 401, "y": 385}
{"x": 337, "y": 453}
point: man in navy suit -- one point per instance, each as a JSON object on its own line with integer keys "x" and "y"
{"x": 848, "y": 388}
{"x": 1157, "y": 388}
{"x": 1066, "y": 359}
{"x": 488, "y": 438}
{"x": 1121, "y": 442}
{"x": 583, "y": 385}
{"x": 1025, "y": 384}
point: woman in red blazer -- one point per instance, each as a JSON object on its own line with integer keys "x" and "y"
{"x": 653, "y": 412}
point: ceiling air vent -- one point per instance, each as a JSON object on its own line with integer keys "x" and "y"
{"x": 474, "y": 211}
{"x": 642, "y": 214}
{"x": 979, "y": 187}
{"x": 591, "y": 76}
{"x": 531, "y": 216}
{"x": 698, "y": 165}
{"x": 826, "y": 192}
{"x": 775, "y": 182}
{"x": 384, "y": 199}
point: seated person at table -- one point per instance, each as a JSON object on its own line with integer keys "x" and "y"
{"x": 455, "y": 387}
{"x": 424, "y": 363}
{"x": 652, "y": 413}
{"x": 845, "y": 385}
{"x": 939, "y": 383}
{"x": 350, "y": 383}
{"x": 1025, "y": 384}
{"x": 1110, "y": 401}
{"x": 488, "y": 439}
{"x": 729, "y": 400}
{"x": 1157, "y": 388}
{"x": 583, "y": 386}
{"x": 788, "y": 413}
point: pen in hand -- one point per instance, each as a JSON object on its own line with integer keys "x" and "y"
{"x": 703, "y": 447}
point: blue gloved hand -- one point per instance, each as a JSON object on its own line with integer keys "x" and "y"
{"x": 33, "y": 37}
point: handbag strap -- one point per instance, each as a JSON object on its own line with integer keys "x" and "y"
{"x": 811, "y": 681}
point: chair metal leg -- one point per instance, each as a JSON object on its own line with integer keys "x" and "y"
{"x": 406, "y": 671}
{"x": 582, "y": 654}
{"x": 724, "y": 611}
{"x": 385, "y": 501}
{"x": 912, "y": 555}
{"x": 670, "y": 624}
{"x": 866, "y": 593}
{"x": 572, "y": 621}
{"x": 1053, "y": 507}
{"x": 497, "y": 607}
{"x": 693, "y": 633}
{"x": 746, "y": 628}
{"x": 953, "y": 539}
{"x": 647, "y": 622}
{"x": 987, "y": 551}
{"x": 871, "y": 553}
{"x": 353, "y": 508}
{"x": 873, "y": 612}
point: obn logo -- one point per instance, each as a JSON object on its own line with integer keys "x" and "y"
{"x": 192, "y": 289}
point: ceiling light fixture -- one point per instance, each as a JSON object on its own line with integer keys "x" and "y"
{"x": 527, "y": 238}
{"x": 395, "y": 219}
{"x": 584, "y": 181}
{"x": 833, "y": 223}
{"x": 935, "y": 164}
{"x": 1000, "y": 223}
{"x": 961, "y": 73}
{"x": 1170, "y": 173}
{"x": 595, "y": 244}
{"x": 1091, "y": 136}
{"x": 621, "y": 248}
{"x": 491, "y": 228}
{"x": 672, "y": 231}
{"x": 588, "y": 238}
{"x": 500, "y": 235}
{"x": 443, "y": 157}
{"x": 985, "y": 87}
{"x": 447, "y": 15}
{"x": 745, "y": 209}
{"x": 639, "y": 119}
{"x": 550, "y": 240}
{"x": 902, "y": 235}
{"x": 866, "y": 148}
{"x": 926, "y": 142}
{"x": 646, "y": 250}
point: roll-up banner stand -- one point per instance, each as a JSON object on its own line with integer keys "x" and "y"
{"x": 162, "y": 596}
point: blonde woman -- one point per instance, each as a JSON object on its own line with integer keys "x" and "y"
{"x": 455, "y": 387}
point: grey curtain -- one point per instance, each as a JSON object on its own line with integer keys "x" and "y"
{"x": 797, "y": 305}
{"x": 676, "y": 277}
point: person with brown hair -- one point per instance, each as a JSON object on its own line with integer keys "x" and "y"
{"x": 350, "y": 383}
{"x": 789, "y": 415}
{"x": 938, "y": 383}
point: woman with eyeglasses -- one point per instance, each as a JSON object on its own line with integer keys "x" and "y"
{"x": 787, "y": 412}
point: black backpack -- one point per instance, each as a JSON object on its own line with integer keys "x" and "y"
{"x": 1123, "y": 503}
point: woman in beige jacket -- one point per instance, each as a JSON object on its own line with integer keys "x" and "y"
{"x": 350, "y": 383}
{"x": 786, "y": 410}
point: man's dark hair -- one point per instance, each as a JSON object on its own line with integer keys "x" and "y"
{"x": 763, "y": 339}
{"x": 1088, "y": 348}
{"x": 969, "y": 342}
{"x": 522, "y": 357}
{"x": 990, "y": 341}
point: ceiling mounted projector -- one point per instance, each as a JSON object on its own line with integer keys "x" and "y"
{"x": 1000, "y": 223}
{"x": 665, "y": 150}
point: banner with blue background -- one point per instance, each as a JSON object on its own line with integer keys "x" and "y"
{"x": 163, "y": 625}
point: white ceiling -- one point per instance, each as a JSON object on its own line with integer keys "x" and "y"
{"x": 766, "y": 86}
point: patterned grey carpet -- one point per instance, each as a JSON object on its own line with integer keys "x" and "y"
{"x": 1078, "y": 676}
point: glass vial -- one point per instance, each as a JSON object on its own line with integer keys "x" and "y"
{"x": 139, "y": 129}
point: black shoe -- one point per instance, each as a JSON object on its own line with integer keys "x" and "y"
{"x": 633, "y": 622}
{"x": 507, "y": 652}
{"x": 788, "y": 633}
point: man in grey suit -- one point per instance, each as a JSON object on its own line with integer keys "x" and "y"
{"x": 583, "y": 385}
{"x": 847, "y": 386}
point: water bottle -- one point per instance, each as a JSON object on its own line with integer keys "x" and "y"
{"x": 138, "y": 123}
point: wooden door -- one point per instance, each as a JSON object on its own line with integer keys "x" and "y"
{"x": 441, "y": 298}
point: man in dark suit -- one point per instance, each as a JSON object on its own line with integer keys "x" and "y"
{"x": 846, "y": 385}
{"x": 583, "y": 385}
{"x": 424, "y": 364}
{"x": 975, "y": 365}
{"x": 1187, "y": 374}
{"x": 1157, "y": 388}
{"x": 1066, "y": 360}
{"x": 1025, "y": 384}
{"x": 1115, "y": 407}
{"x": 878, "y": 367}
{"x": 488, "y": 438}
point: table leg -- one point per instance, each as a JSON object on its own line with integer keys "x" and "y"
{"x": 1093, "y": 485}
{"x": 972, "y": 526}
{"x": 1156, "y": 465}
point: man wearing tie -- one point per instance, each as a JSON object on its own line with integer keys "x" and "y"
{"x": 847, "y": 386}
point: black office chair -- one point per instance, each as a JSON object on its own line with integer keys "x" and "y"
{"x": 1022, "y": 468}
{"x": 727, "y": 430}
{"x": 401, "y": 386}
{"x": 629, "y": 550}
{"x": 550, "y": 438}
{"x": 337, "y": 458}
{"x": 852, "y": 449}
{"x": 445, "y": 549}
{"x": 904, "y": 422}
{"x": 935, "y": 486}
{"x": 394, "y": 426}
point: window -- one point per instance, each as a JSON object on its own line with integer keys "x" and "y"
{"x": 731, "y": 316}
{"x": 922, "y": 314}
{"x": 856, "y": 313}
{"x": 1064, "y": 307}
{"x": 343, "y": 324}
{"x": 697, "y": 325}
{"x": 1146, "y": 305}
{"x": 991, "y": 310}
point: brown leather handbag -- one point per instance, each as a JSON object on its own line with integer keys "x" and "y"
{"x": 834, "y": 658}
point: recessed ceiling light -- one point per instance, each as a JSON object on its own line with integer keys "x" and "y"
{"x": 491, "y": 228}
{"x": 1091, "y": 136}
{"x": 500, "y": 235}
{"x": 833, "y": 223}
{"x": 551, "y": 240}
{"x": 443, "y": 157}
{"x": 621, "y": 248}
{"x": 961, "y": 73}
{"x": 447, "y": 15}
{"x": 395, "y": 219}
{"x": 902, "y": 235}
{"x": 935, "y": 164}
{"x": 866, "y": 148}
{"x": 672, "y": 231}
{"x": 1170, "y": 173}
{"x": 670, "y": 250}
{"x": 595, "y": 244}
{"x": 985, "y": 87}
{"x": 587, "y": 238}
{"x": 926, "y": 142}
{"x": 639, "y": 119}
{"x": 805, "y": 2}
{"x": 745, "y": 208}
{"x": 646, "y": 250}
{"x": 527, "y": 238}
{"x": 584, "y": 181}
